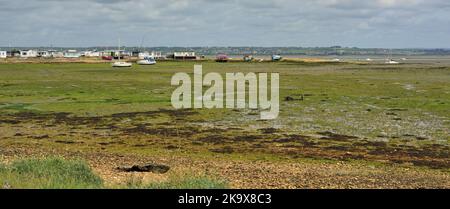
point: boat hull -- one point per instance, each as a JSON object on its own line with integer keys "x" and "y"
{"x": 145, "y": 62}
{"x": 122, "y": 64}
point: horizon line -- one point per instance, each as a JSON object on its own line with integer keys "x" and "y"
{"x": 336, "y": 46}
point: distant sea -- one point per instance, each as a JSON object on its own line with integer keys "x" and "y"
{"x": 374, "y": 58}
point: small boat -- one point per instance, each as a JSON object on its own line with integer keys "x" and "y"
{"x": 369, "y": 60}
{"x": 121, "y": 63}
{"x": 147, "y": 61}
{"x": 248, "y": 58}
{"x": 391, "y": 61}
{"x": 276, "y": 57}
{"x": 335, "y": 60}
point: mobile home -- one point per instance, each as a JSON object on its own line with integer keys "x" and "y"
{"x": 184, "y": 56}
{"x": 3, "y": 54}
{"x": 143, "y": 55}
{"x": 55, "y": 54}
{"x": 13, "y": 53}
{"x": 92, "y": 54}
{"x": 44, "y": 54}
{"x": 156, "y": 55}
{"x": 72, "y": 54}
{"x": 28, "y": 53}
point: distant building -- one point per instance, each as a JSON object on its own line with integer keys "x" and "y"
{"x": 72, "y": 54}
{"x": 91, "y": 54}
{"x": 157, "y": 55}
{"x": 28, "y": 53}
{"x": 110, "y": 52}
{"x": 44, "y": 54}
{"x": 143, "y": 55}
{"x": 55, "y": 54}
{"x": 183, "y": 56}
{"x": 107, "y": 53}
{"x": 122, "y": 54}
{"x": 3, "y": 54}
{"x": 13, "y": 53}
{"x": 135, "y": 53}
{"x": 154, "y": 54}
{"x": 126, "y": 53}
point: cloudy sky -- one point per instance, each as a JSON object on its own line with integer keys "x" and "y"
{"x": 371, "y": 23}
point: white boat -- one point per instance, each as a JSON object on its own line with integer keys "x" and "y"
{"x": 147, "y": 61}
{"x": 391, "y": 61}
{"x": 369, "y": 60}
{"x": 121, "y": 63}
{"x": 276, "y": 57}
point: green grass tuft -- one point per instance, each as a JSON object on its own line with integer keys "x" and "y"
{"x": 58, "y": 173}
{"x": 190, "y": 183}
{"x": 185, "y": 181}
{"x": 48, "y": 173}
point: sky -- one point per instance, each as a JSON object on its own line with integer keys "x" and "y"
{"x": 187, "y": 23}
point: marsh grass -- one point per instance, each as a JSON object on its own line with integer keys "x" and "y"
{"x": 59, "y": 173}
{"x": 178, "y": 181}
{"x": 189, "y": 183}
{"x": 49, "y": 173}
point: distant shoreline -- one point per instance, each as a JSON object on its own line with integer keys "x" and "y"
{"x": 233, "y": 51}
{"x": 331, "y": 59}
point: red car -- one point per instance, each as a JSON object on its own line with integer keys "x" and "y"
{"x": 107, "y": 58}
{"x": 221, "y": 58}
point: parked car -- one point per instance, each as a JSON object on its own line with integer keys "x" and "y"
{"x": 107, "y": 58}
{"x": 221, "y": 58}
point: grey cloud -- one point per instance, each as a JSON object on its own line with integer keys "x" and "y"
{"x": 377, "y": 23}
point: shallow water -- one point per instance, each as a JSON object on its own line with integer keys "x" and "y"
{"x": 410, "y": 59}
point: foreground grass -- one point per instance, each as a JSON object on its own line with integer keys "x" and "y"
{"x": 396, "y": 113}
{"x": 190, "y": 183}
{"x": 179, "y": 182}
{"x": 49, "y": 173}
{"x": 58, "y": 173}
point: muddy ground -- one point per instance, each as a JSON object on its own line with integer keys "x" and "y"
{"x": 279, "y": 160}
{"x": 341, "y": 125}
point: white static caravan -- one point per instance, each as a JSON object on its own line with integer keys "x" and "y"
{"x": 121, "y": 52}
{"x": 91, "y": 54}
{"x": 44, "y": 54}
{"x": 184, "y": 55}
{"x": 55, "y": 54}
{"x": 28, "y": 53}
{"x": 106, "y": 53}
{"x": 156, "y": 55}
{"x": 153, "y": 54}
{"x": 3, "y": 54}
{"x": 72, "y": 54}
{"x": 143, "y": 55}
